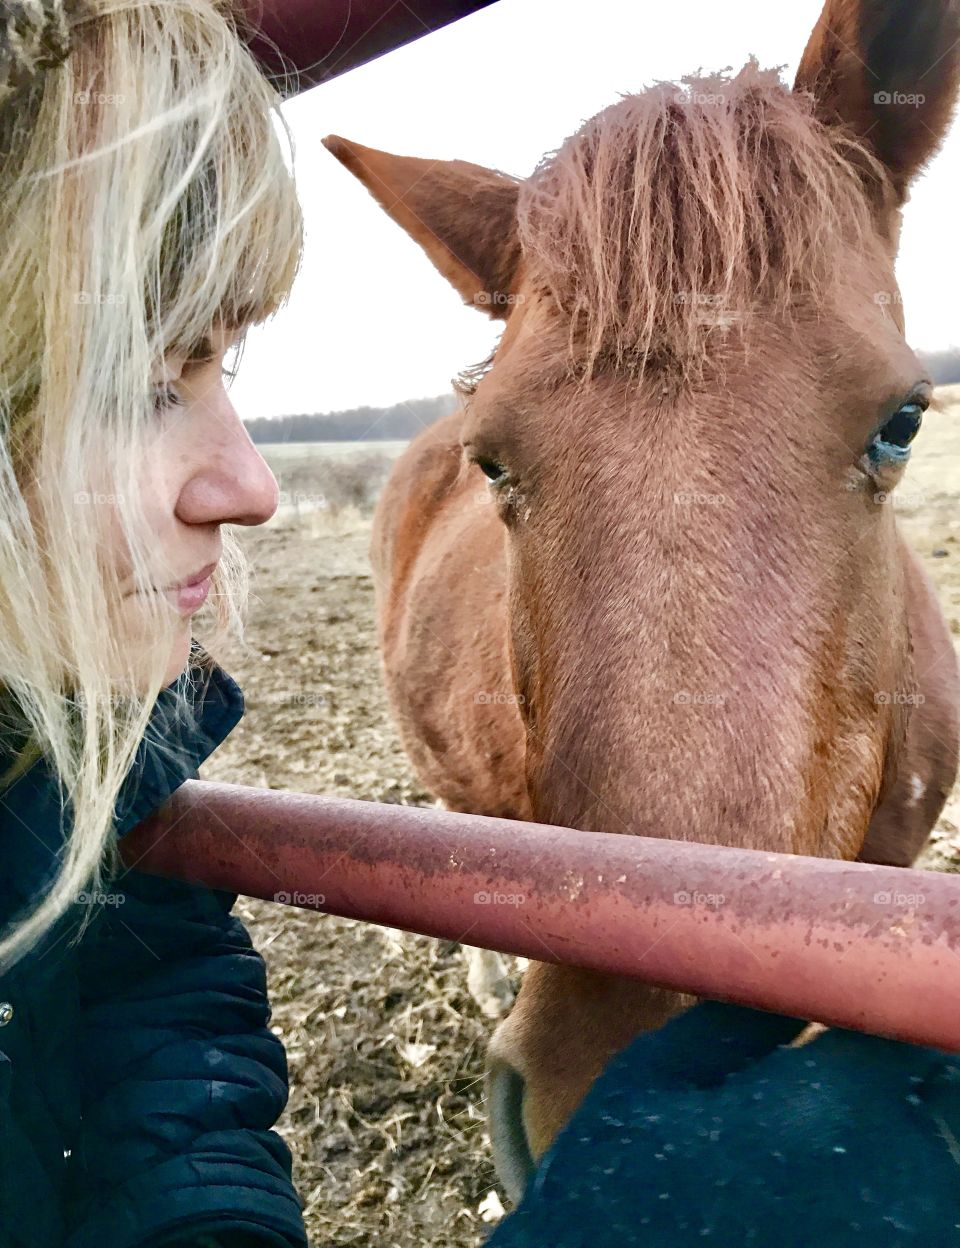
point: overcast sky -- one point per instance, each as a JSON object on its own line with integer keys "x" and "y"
{"x": 369, "y": 320}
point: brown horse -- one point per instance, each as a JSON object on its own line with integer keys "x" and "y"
{"x": 647, "y": 580}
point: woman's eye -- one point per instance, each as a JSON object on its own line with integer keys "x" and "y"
{"x": 892, "y": 442}
{"x": 494, "y": 472}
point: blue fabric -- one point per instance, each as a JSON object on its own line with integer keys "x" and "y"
{"x": 713, "y": 1131}
{"x": 139, "y": 1078}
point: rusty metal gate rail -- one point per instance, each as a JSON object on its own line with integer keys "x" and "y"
{"x": 868, "y": 947}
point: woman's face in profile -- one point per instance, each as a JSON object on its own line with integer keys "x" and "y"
{"x": 201, "y": 471}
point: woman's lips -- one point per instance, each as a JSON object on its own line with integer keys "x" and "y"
{"x": 191, "y": 594}
{"x": 187, "y": 598}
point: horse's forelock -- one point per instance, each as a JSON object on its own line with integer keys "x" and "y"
{"x": 677, "y": 212}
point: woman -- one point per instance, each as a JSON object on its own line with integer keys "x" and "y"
{"x": 147, "y": 218}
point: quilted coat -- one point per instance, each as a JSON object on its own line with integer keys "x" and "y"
{"x": 139, "y": 1077}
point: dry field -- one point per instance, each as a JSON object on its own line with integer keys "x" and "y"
{"x": 385, "y": 1047}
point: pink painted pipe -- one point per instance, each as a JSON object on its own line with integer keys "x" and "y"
{"x": 868, "y": 947}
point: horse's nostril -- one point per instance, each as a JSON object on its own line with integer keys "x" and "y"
{"x": 508, "y": 1136}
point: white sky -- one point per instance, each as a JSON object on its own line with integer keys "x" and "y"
{"x": 369, "y": 321}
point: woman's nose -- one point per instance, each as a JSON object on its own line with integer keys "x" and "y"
{"x": 233, "y": 484}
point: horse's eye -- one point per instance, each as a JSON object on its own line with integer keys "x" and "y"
{"x": 493, "y": 471}
{"x": 904, "y": 426}
{"x": 892, "y": 442}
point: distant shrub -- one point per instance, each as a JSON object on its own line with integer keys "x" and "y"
{"x": 333, "y": 483}
{"x": 356, "y": 481}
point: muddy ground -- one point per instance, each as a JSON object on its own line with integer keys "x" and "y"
{"x": 385, "y": 1047}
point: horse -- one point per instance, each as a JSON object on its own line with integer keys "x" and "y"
{"x": 648, "y": 580}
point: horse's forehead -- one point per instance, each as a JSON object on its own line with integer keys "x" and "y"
{"x": 857, "y": 323}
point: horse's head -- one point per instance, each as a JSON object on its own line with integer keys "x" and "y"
{"x": 701, "y": 398}
{"x": 700, "y": 401}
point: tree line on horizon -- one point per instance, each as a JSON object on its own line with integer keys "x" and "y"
{"x": 404, "y": 420}
{"x": 396, "y": 423}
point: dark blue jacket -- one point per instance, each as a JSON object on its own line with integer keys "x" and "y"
{"x": 139, "y": 1079}
{"x": 712, "y": 1131}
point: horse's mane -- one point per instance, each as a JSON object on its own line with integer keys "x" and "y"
{"x": 678, "y": 211}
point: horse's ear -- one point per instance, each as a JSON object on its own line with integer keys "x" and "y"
{"x": 462, "y": 215}
{"x": 889, "y": 69}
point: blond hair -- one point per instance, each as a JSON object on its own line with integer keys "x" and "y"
{"x": 146, "y": 195}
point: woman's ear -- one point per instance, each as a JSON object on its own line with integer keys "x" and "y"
{"x": 889, "y": 70}
{"x": 462, "y": 215}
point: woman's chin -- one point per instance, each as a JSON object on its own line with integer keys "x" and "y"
{"x": 147, "y": 630}
{"x": 179, "y": 653}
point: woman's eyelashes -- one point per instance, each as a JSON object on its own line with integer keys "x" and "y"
{"x": 165, "y": 396}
